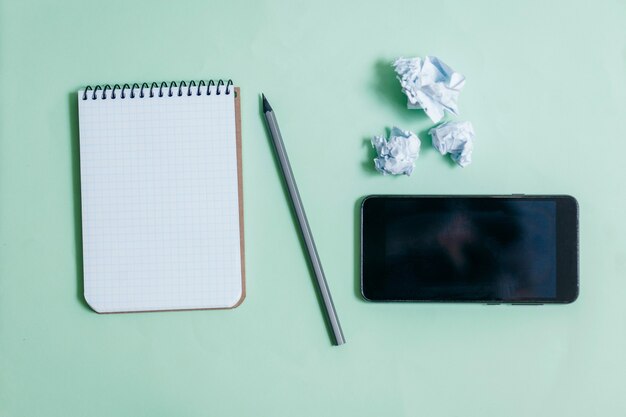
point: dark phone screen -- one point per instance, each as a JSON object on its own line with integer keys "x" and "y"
{"x": 460, "y": 249}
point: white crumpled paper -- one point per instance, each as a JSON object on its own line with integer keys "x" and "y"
{"x": 455, "y": 138}
{"x": 429, "y": 84}
{"x": 398, "y": 154}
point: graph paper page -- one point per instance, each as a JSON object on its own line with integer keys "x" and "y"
{"x": 160, "y": 201}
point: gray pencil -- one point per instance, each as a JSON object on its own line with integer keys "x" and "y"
{"x": 302, "y": 221}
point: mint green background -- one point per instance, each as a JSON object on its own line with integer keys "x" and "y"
{"x": 545, "y": 91}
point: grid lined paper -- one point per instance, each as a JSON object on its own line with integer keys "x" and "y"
{"x": 160, "y": 202}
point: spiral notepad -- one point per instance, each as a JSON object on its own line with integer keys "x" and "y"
{"x": 161, "y": 195}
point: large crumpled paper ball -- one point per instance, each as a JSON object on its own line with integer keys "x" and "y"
{"x": 429, "y": 84}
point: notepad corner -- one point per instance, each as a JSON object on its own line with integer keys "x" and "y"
{"x": 94, "y": 304}
{"x": 238, "y": 299}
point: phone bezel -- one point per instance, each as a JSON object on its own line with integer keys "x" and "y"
{"x": 567, "y": 214}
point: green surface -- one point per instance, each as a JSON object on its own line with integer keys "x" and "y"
{"x": 545, "y": 91}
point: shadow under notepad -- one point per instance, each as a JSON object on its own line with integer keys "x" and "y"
{"x": 75, "y": 166}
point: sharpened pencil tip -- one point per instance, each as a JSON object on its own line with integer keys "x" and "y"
{"x": 266, "y": 104}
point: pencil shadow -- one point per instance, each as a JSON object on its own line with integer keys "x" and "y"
{"x": 357, "y": 249}
{"x": 294, "y": 221}
{"x": 78, "y": 236}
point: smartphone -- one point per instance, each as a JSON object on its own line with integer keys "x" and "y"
{"x": 519, "y": 249}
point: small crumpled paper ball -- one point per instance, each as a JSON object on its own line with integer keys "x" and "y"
{"x": 398, "y": 154}
{"x": 455, "y": 138}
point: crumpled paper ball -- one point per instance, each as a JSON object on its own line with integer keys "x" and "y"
{"x": 455, "y": 138}
{"x": 397, "y": 155}
{"x": 429, "y": 84}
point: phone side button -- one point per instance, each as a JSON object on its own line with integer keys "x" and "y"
{"x": 527, "y": 304}
{"x": 492, "y": 304}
